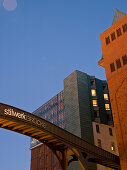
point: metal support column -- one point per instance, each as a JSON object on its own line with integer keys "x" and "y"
{"x": 64, "y": 160}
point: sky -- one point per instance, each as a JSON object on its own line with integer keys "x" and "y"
{"x": 41, "y": 43}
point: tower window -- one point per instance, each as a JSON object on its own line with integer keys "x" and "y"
{"x": 99, "y": 143}
{"x": 97, "y": 129}
{"x": 106, "y": 96}
{"x": 124, "y": 27}
{"x": 118, "y": 63}
{"x": 96, "y": 113}
{"x": 93, "y": 92}
{"x": 107, "y": 39}
{"x": 112, "y": 67}
{"x": 107, "y": 106}
{"x": 92, "y": 81}
{"x": 113, "y": 146}
{"x": 118, "y": 31}
{"x": 124, "y": 58}
{"x": 95, "y": 103}
{"x": 110, "y": 132}
{"x": 113, "y": 37}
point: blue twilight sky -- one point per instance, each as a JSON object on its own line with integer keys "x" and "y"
{"x": 41, "y": 43}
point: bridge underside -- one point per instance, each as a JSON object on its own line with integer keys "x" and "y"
{"x": 58, "y": 139}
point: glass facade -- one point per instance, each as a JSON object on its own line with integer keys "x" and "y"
{"x": 52, "y": 111}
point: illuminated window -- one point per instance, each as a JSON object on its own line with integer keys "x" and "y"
{"x": 99, "y": 143}
{"x": 105, "y": 96}
{"x": 93, "y": 92}
{"x": 113, "y": 37}
{"x": 118, "y": 31}
{"x": 97, "y": 129}
{"x": 107, "y": 39}
{"x": 113, "y": 146}
{"x": 95, "y": 103}
{"x": 107, "y": 106}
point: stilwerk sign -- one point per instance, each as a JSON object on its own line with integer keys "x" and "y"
{"x": 24, "y": 116}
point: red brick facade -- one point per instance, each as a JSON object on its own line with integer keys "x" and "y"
{"x": 114, "y": 47}
{"x": 42, "y": 158}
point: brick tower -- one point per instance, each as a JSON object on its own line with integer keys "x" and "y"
{"x": 114, "y": 48}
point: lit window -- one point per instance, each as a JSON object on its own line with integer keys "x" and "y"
{"x": 93, "y": 92}
{"x": 95, "y": 103}
{"x": 107, "y": 106}
{"x": 99, "y": 143}
{"x": 113, "y": 146}
{"x": 97, "y": 129}
{"x": 105, "y": 96}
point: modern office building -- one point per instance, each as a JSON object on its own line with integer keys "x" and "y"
{"x": 85, "y": 99}
{"x": 114, "y": 48}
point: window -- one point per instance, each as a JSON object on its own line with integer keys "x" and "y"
{"x": 40, "y": 150}
{"x": 99, "y": 143}
{"x": 92, "y": 81}
{"x": 97, "y": 129}
{"x": 124, "y": 27}
{"x": 106, "y": 96}
{"x": 109, "y": 117}
{"x": 55, "y": 159}
{"x": 40, "y": 162}
{"x": 96, "y": 113}
{"x": 113, "y": 37}
{"x": 113, "y": 146}
{"x": 110, "y": 132}
{"x": 107, "y": 106}
{"x": 124, "y": 58}
{"x": 95, "y": 103}
{"x": 107, "y": 39}
{"x": 112, "y": 67}
{"x": 105, "y": 87}
{"x": 47, "y": 159}
{"x": 118, "y": 31}
{"x": 118, "y": 63}
{"x": 93, "y": 92}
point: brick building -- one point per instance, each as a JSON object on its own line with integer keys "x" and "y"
{"x": 114, "y": 48}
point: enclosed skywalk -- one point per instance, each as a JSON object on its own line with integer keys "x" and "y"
{"x": 56, "y": 138}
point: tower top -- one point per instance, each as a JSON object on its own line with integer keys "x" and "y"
{"x": 118, "y": 15}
